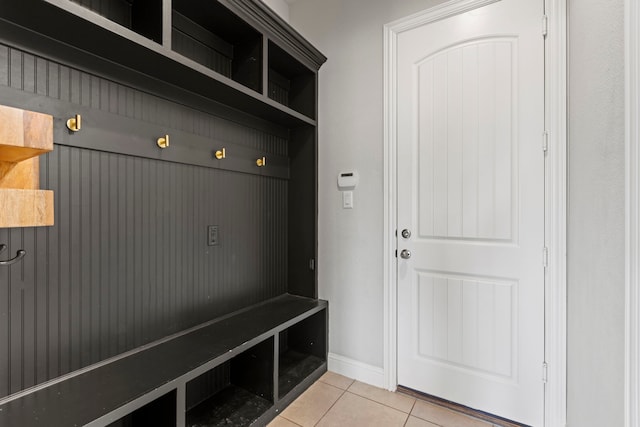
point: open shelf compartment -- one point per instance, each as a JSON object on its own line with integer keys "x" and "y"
{"x": 160, "y": 412}
{"x": 302, "y": 350}
{"x": 291, "y": 83}
{"x": 141, "y": 16}
{"x": 237, "y": 392}
{"x": 213, "y": 36}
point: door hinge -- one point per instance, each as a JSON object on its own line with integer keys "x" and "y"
{"x": 545, "y": 141}
{"x": 545, "y": 257}
{"x": 545, "y": 372}
{"x": 545, "y": 25}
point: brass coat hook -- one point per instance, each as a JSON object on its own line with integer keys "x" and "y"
{"x": 261, "y": 162}
{"x": 74, "y": 124}
{"x": 163, "y": 142}
{"x": 221, "y": 154}
{"x": 19, "y": 255}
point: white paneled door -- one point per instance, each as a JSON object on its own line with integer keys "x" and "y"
{"x": 471, "y": 199}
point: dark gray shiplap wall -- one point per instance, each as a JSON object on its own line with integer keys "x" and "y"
{"x": 127, "y": 262}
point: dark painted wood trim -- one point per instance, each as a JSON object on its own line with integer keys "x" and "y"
{"x": 256, "y": 12}
{"x": 107, "y": 49}
{"x": 103, "y": 132}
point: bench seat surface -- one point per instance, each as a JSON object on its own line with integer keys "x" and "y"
{"x": 92, "y": 394}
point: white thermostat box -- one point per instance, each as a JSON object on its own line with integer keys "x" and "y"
{"x": 348, "y": 180}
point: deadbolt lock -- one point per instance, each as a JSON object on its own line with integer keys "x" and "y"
{"x": 406, "y": 233}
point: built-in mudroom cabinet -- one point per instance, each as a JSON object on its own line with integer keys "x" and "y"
{"x": 158, "y": 213}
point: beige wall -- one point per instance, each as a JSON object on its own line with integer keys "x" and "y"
{"x": 350, "y": 260}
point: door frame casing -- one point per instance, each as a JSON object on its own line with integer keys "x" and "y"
{"x": 555, "y": 195}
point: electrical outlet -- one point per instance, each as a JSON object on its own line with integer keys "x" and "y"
{"x": 212, "y": 235}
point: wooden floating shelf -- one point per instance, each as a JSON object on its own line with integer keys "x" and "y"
{"x": 26, "y": 208}
{"x": 24, "y": 135}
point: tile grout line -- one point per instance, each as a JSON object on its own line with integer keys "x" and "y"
{"x": 327, "y": 411}
{"x": 285, "y": 418}
{"x": 410, "y": 411}
{"x": 380, "y": 403}
{"x": 407, "y": 420}
{"x": 409, "y": 414}
{"x": 365, "y": 398}
{"x": 348, "y": 390}
{"x": 332, "y": 405}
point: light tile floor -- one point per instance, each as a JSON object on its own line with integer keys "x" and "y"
{"x": 335, "y": 400}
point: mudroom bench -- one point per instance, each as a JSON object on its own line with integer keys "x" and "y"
{"x": 182, "y": 180}
{"x": 240, "y": 369}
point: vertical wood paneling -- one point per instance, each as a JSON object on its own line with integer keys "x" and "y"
{"x": 486, "y": 325}
{"x": 440, "y": 146}
{"x": 486, "y": 140}
{"x": 426, "y": 144}
{"x": 455, "y": 121}
{"x": 504, "y": 326}
{"x": 5, "y": 294}
{"x": 208, "y": 384}
{"x": 467, "y": 322}
{"x": 126, "y": 262}
{"x": 465, "y": 131}
{"x": 425, "y": 293}
{"x": 470, "y": 339}
{"x": 106, "y": 255}
{"x": 455, "y": 316}
{"x": 4, "y": 65}
{"x": 279, "y": 93}
{"x": 470, "y": 126}
{"x": 200, "y": 52}
{"x": 41, "y": 309}
{"x": 505, "y": 139}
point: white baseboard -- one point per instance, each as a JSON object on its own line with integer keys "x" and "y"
{"x": 357, "y": 370}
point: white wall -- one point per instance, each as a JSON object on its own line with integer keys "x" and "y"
{"x": 281, "y": 7}
{"x": 350, "y": 33}
{"x": 350, "y": 260}
{"x": 596, "y": 213}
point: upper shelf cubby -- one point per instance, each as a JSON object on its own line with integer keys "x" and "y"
{"x": 228, "y": 57}
{"x": 210, "y": 34}
{"x": 141, "y": 16}
{"x": 291, "y": 83}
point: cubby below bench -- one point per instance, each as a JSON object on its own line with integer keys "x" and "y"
{"x": 241, "y": 369}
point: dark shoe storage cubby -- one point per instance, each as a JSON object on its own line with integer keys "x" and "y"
{"x": 141, "y": 16}
{"x": 303, "y": 349}
{"x": 220, "y": 374}
{"x": 238, "y": 392}
{"x": 158, "y": 413}
{"x": 291, "y": 83}
{"x": 210, "y": 34}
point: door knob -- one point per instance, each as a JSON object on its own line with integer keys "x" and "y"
{"x": 405, "y": 254}
{"x": 406, "y": 233}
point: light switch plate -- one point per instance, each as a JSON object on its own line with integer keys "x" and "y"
{"x": 347, "y": 199}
